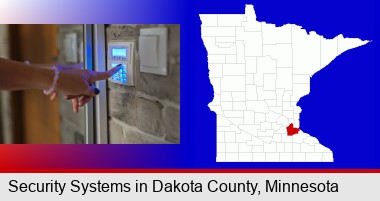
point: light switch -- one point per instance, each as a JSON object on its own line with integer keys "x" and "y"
{"x": 81, "y": 59}
{"x": 70, "y": 47}
{"x": 149, "y": 51}
{"x": 153, "y": 50}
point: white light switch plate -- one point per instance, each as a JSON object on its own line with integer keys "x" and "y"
{"x": 70, "y": 47}
{"x": 149, "y": 51}
{"x": 153, "y": 50}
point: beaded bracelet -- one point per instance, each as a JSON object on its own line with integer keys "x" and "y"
{"x": 54, "y": 85}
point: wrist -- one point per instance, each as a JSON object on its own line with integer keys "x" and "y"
{"x": 54, "y": 84}
{"x": 44, "y": 78}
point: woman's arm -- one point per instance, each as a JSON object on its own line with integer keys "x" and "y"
{"x": 75, "y": 83}
{"x": 18, "y": 76}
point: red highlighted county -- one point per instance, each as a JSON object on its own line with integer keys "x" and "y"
{"x": 291, "y": 130}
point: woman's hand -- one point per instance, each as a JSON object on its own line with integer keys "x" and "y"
{"x": 78, "y": 84}
{"x": 74, "y": 82}
{"x": 75, "y": 66}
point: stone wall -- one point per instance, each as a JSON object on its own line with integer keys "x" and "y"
{"x": 149, "y": 112}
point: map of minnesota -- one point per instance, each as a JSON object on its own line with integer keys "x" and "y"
{"x": 259, "y": 72}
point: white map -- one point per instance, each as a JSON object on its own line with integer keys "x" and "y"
{"x": 259, "y": 72}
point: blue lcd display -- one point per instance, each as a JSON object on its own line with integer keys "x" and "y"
{"x": 119, "y": 52}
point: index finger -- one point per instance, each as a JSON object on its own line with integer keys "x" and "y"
{"x": 105, "y": 75}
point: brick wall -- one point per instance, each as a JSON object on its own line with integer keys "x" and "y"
{"x": 149, "y": 112}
